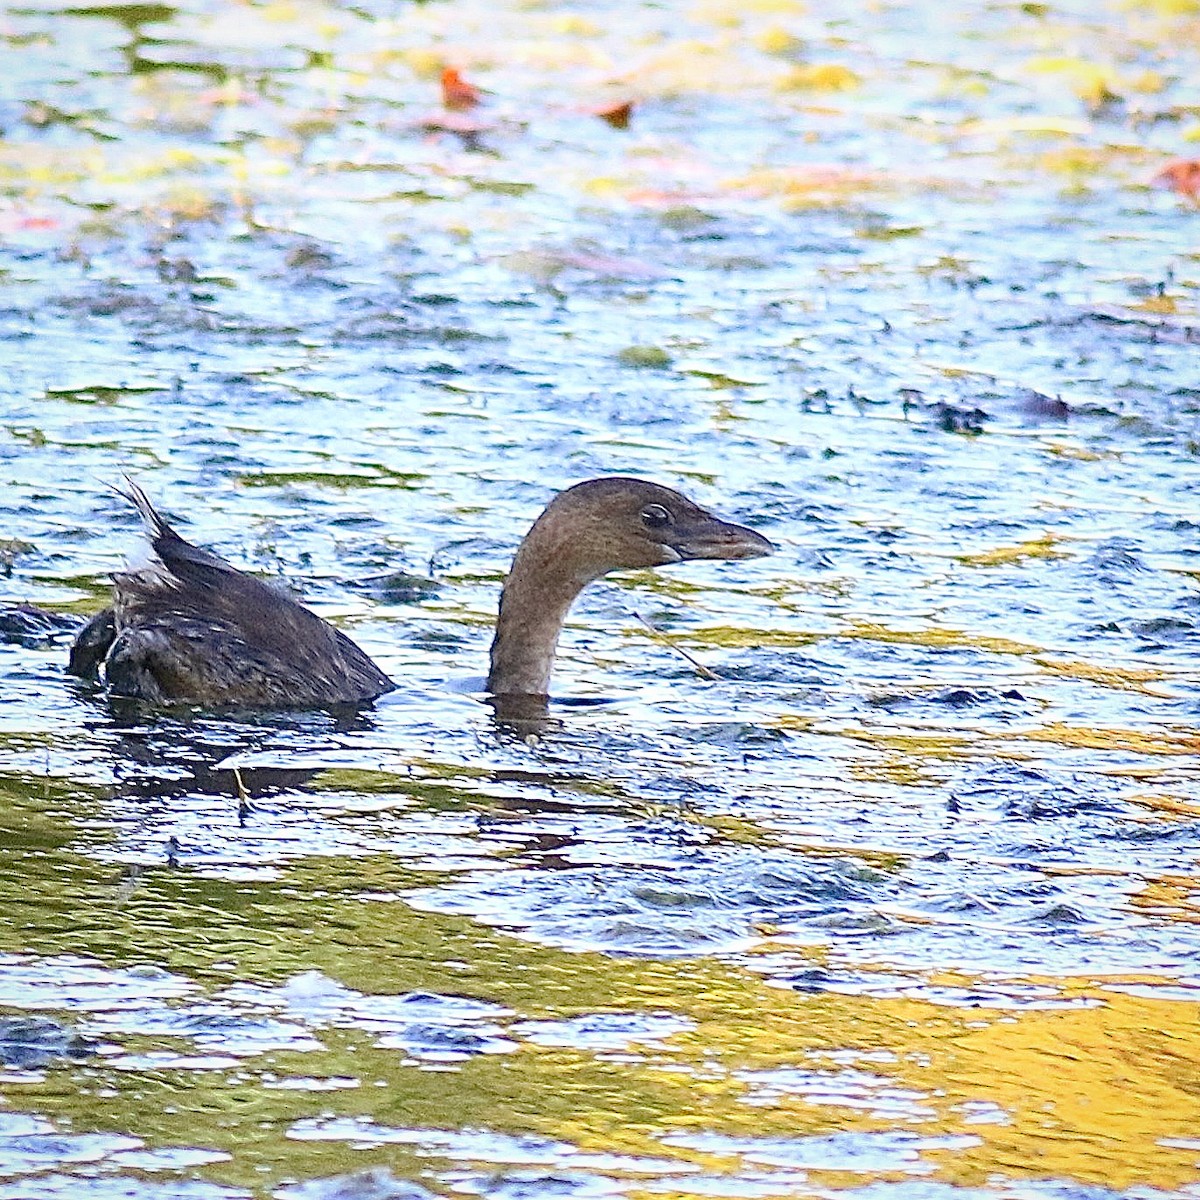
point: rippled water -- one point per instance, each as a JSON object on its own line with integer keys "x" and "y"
{"x": 902, "y": 904}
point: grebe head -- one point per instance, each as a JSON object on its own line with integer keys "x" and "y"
{"x": 617, "y": 523}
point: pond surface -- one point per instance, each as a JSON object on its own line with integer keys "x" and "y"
{"x": 906, "y": 901}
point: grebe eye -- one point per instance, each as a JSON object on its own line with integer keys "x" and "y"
{"x": 654, "y": 516}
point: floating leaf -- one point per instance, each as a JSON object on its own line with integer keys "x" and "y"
{"x": 616, "y": 115}
{"x": 457, "y": 94}
{"x": 1181, "y": 176}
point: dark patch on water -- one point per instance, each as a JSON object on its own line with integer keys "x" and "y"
{"x": 27, "y": 1042}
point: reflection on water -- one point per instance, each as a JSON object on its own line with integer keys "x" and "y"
{"x": 905, "y": 900}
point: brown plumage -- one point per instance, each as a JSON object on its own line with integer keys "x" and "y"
{"x": 188, "y": 627}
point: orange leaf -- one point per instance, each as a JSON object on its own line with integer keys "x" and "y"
{"x": 616, "y": 115}
{"x": 457, "y": 94}
{"x": 1182, "y": 176}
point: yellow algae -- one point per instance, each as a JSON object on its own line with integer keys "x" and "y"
{"x": 950, "y": 266}
{"x": 1074, "y": 161}
{"x": 733, "y": 13}
{"x": 681, "y": 588}
{"x": 1044, "y": 547}
{"x": 1036, "y": 124}
{"x": 903, "y": 770}
{"x": 1160, "y": 305}
{"x": 1129, "y": 741}
{"x": 797, "y": 721}
{"x": 739, "y": 830}
{"x": 50, "y": 165}
{"x": 609, "y": 187}
{"x": 1167, "y": 8}
{"x": 1099, "y": 1079}
{"x": 1130, "y": 679}
{"x": 423, "y": 61}
{"x": 834, "y": 182}
{"x": 1174, "y": 806}
{"x": 1113, "y": 1083}
{"x": 936, "y": 745}
{"x": 544, "y": 53}
{"x": 1148, "y": 82}
{"x": 1176, "y": 893}
{"x": 367, "y": 477}
{"x": 1140, "y": 771}
{"x": 575, "y": 25}
{"x": 1091, "y": 82}
{"x": 870, "y": 631}
{"x": 736, "y": 638}
{"x": 1078, "y": 453}
{"x": 281, "y": 12}
{"x": 778, "y": 41}
{"x": 1091, "y": 1094}
{"x": 819, "y": 77}
{"x": 1135, "y": 679}
{"x": 782, "y": 593}
{"x": 690, "y": 66}
{"x": 190, "y": 204}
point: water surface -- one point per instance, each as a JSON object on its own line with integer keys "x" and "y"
{"x": 903, "y": 903}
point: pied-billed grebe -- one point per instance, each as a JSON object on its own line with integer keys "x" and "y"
{"x": 186, "y": 627}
